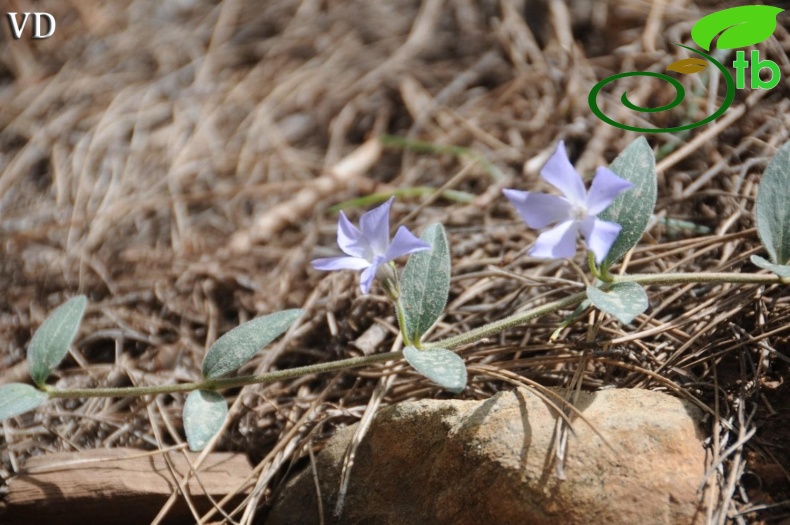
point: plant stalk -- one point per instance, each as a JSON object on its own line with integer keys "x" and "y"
{"x": 450, "y": 343}
{"x": 225, "y": 382}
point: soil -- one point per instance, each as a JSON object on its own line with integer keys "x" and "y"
{"x": 177, "y": 162}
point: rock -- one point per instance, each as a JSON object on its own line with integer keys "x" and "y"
{"x": 118, "y": 486}
{"x": 472, "y": 462}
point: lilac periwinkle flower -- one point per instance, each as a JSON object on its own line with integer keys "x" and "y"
{"x": 369, "y": 247}
{"x": 576, "y": 210}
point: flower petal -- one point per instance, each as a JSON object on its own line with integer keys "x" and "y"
{"x": 403, "y": 243}
{"x": 366, "y": 279}
{"x": 558, "y": 242}
{"x": 340, "y": 263}
{"x": 606, "y": 186}
{"x": 599, "y": 236}
{"x": 375, "y": 225}
{"x": 539, "y": 209}
{"x": 559, "y": 172}
{"x": 350, "y": 239}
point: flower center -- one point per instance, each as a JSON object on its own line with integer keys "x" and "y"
{"x": 579, "y": 212}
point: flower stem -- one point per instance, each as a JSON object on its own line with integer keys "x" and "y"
{"x": 392, "y": 287}
{"x": 402, "y": 323}
{"x": 593, "y": 267}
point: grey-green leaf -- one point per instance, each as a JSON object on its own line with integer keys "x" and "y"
{"x": 773, "y": 207}
{"x": 239, "y": 345}
{"x": 18, "y": 398}
{"x": 443, "y": 367}
{"x": 623, "y": 300}
{"x": 425, "y": 283}
{"x": 51, "y": 342}
{"x": 782, "y": 270}
{"x": 632, "y": 209}
{"x": 739, "y": 26}
{"x": 204, "y": 414}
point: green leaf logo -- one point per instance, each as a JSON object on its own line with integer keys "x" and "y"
{"x": 739, "y": 26}
{"x": 687, "y": 66}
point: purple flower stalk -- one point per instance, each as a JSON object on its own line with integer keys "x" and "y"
{"x": 369, "y": 247}
{"x": 576, "y": 210}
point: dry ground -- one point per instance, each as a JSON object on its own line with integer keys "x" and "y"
{"x": 175, "y": 161}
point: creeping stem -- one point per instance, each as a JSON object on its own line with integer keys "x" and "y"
{"x": 508, "y": 322}
{"x": 698, "y": 277}
{"x": 229, "y": 382}
{"x": 450, "y": 343}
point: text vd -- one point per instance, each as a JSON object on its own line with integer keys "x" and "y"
{"x": 38, "y": 26}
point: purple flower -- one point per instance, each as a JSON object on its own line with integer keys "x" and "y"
{"x": 577, "y": 210}
{"x": 370, "y": 248}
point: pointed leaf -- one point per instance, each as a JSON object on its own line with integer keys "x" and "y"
{"x": 17, "y": 398}
{"x": 51, "y": 342}
{"x": 632, "y": 209}
{"x": 772, "y": 207}
{"x": 688, "y": 66}
{"x": 624, "y": 301}
{"x": 425, "y": 284}
{"x": 782, "y": 270}
{"x": 443, "y": 367}
{"x": 740, "y": 26}
{"x": 239, "y": 345}
{"x": 204, "y": 414}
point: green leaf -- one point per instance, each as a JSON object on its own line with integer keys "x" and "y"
{"x": 773, "y": 207}
{"x": 238, "y": 346}
{"x": 17, "y": 398}
{"x": 443, "y": 367}
{"x": 632, "y": 209}
{"x": 742, "y": 26}
{"x": 624, "y": 301}
{"x": 425, "y": 284}
{"x": 204, "y": 414}
{"x": 51, "y": 342}
{"x": 782, "y": 270}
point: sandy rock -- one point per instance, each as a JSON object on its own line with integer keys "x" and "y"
{"x": 471, "y": 462}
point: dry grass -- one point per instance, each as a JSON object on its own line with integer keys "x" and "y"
{"x": 175, "y": 162}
